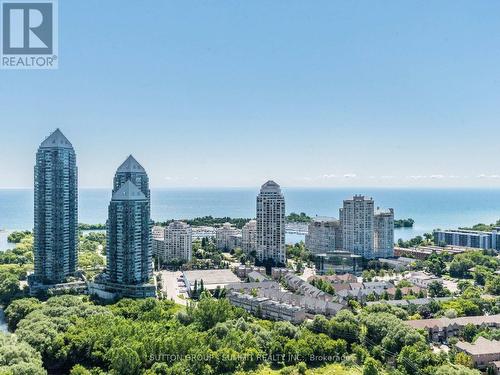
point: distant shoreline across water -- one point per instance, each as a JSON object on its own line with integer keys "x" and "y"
{"x": 430, "y": 208}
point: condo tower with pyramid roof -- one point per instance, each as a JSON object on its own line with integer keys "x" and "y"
{"x": 129, "y": 266}
{"x": 55, "y": 211}
{"x": 129, "y": 242}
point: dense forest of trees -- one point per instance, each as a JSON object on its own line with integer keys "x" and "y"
{"x": 72, "y": 334}
{"x": 80, "y": 336}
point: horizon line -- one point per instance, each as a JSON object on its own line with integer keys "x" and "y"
{"x": 283, "y": 186}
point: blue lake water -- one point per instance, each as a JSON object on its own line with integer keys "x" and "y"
{"x": 430, "y": 208}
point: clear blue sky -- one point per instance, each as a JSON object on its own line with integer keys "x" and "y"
{"x": 231, "y": 93}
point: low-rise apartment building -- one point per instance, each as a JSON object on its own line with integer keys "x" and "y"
{"x": 273, "y": 291}
{"x": 312, "y": 305}
{"x": 424, "y": 252}
{"x": 266, "y": 308}
{"x": 301, "y": 286}
{"x": 362, "y": 291}
{"x": 278, "y": 272}
{"x": 243, "y": 271}
{"x": 483, "y": 351}
{"x": 469, "y": 238}
{"x": 336, "y": 279}
{"x": 252, "y": 287}
{"x": 409, "y": 302}
{"x": 441, "y": 329}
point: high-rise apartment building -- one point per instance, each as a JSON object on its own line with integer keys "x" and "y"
{"x": 158, "y": 233}
{"x": 158, "y": 240}
{"x": 357, "y": 220}
{"x": 383, "y": 226}
{"x": 249, "y": 237}
{"x": 176, "y": 244}
{"x": 56, "y": 210}
{"x": 324, "y": 235}
{"x": 227, "y": 237}
{"x": 271, "y": 224}
{"x": 128, "y": 245}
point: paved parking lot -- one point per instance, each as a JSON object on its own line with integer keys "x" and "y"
{"x": 172, "y": 287}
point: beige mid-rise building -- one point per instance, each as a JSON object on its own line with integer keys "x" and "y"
{"x": 175, "y": 244}
{"x": 249, "y": 237}
{"x": 324, "y": 235}
{"x": 227, "y": 237}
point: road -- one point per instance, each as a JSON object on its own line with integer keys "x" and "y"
{"x": 170, "y": 287}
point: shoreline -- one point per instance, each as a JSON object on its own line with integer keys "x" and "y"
{"x": 290, "y": 238}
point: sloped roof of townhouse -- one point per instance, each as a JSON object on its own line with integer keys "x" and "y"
{"x": 480, "y": 346}
{"x": 446, "y": 322}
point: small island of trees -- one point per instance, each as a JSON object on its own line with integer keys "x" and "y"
{"x": 404, "y": 223}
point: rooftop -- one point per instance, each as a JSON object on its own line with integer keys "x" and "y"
{"x": 445, "y": 322}
{"x": 270, "y": 186}
{"x": 56, "y": 140}
{"x": 254, "y": 275}
{"x": 251, "y": 223}
{"x": 415, "y": 301}
{"x": 130, "y": 165}
{"x": 177, "y": 224}
{"x": 465, "y": 231}
{"x": 322, "y": 219}
{"x": 480, "y": 346}
{"x": 210, "y": 277}
{"x": 420, "y": 275}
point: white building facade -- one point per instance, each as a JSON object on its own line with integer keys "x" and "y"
{"x": 227, "y": 237}
{"x": 173, "y": 243}
{"x": 469, "y": 238}
{"x": 158, "y": 233}
{"x": 271, "y": 224}
{"x": 384, "y": 233}
{"x": 178, "y": 243}
{"x": 249, "y": 237}
{"x": 324, "y": 235}
{"x": 357, "y": 219}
